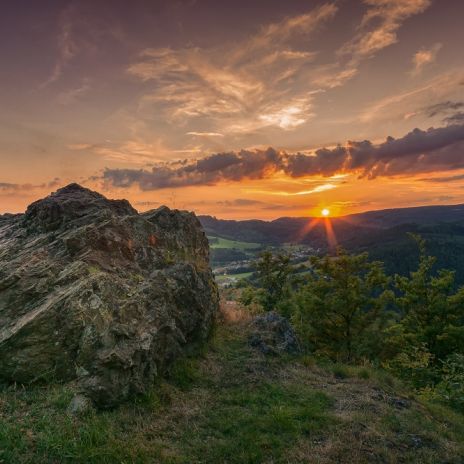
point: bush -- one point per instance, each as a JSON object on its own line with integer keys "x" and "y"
{"x": 431, "y": 326}
{"x": 451, "y": 387}
{"x": 341, "y": 309}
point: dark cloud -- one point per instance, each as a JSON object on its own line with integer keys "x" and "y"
{"x": 232, "y": 166}
{"x": 240, "y": 202}
{"x": 443, "y": 107}
{"x": 275, "y": 207}
{"x": 457, "y": 118}
{"x": 6, "y": 186}
{"x": 418, "y": 151}
{"x": 12, "y": 187}
{"x": 243, "y": 202}
{"x": 443, "y": 179}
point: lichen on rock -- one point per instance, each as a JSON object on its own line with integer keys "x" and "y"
{"x": 93, "y": 291}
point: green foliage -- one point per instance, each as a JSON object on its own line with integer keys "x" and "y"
{"x": 273, "y": 277}
{"x": 183, "y": 373}
{"x": 413, "y": 363}
{"x": 342, "y": 306}
{"x": 247, "y": 296}
{"x": 450, "y": 389}
{"x": 346, "y": 309}
{"x": 431, "y": 327}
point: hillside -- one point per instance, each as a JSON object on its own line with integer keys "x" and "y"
{"x": 384, "y": 234}
{"x": 235, "y": 405}
{"x": 288, "y": 229}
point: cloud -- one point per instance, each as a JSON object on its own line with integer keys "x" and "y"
{"x": 380, "y": 25}
{"x": 418, "y": 151}
{"x": 457, "y": 118}
{"x": 70, "y": 96}
{"x": 318, "y": 189}
{"x": 425, "y": 57}
{"x": 240, "y": 202}
{"x": 67, "y": 44}
{"x": 7, "y": 187}
{"x": 280, "y": 33}
{"x": 80, "y": 146}
{"x": 133, "y": 151}
{"x": 269, "y": 80}
{"x": 443, "y": 179}
{"x": 205, "y": 134}
{"x": 443, "y": 107}
{"x": 443, "y": 89}
{"x": 259, "y": 82}
{"x": 232, "y": 166}
{"x": 80, "y": 33}
{"x": 288, "y": 116}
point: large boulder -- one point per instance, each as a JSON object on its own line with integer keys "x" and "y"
{"x": 93, "y": 291}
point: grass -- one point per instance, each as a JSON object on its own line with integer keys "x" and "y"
{"x": 233, "y": 405}
{"x": 219, "y": 242}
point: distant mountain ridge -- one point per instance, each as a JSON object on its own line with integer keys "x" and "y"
{"x": 384, "y": 234}
{"x": 290, "y": 229}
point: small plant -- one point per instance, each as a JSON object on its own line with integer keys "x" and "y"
{"x": 364, "y": 373}
{"x": 340, "y": 371}
{"x": 93, "y": 270}
{"x": 451, "y": 387}
{"x": 184, "y": 373}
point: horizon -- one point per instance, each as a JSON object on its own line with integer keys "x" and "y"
{"x": 321, "y": 214}
{"x": 235, "y": 111}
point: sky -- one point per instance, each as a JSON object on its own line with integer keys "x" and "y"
{"x": 238, "y": 109}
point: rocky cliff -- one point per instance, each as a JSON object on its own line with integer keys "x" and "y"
{"x": 92, "y": 291}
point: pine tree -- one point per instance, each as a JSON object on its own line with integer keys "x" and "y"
{"x": 340, "y": 310}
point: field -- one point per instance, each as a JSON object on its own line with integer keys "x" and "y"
{"x": 219, "y": 242}
{"x": 228, "y": 277}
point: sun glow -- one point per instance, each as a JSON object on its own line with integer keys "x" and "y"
{"x": 325, "y": 212}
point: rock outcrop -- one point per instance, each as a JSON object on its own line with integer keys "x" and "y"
{"x": 93, "y": 291}
{"x": 273, "y": 334}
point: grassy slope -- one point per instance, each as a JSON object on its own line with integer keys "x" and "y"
{"x": 235, "y": 406}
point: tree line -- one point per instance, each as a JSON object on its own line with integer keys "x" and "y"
{"x": 347, "y": 309}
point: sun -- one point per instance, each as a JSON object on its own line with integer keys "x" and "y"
{"x": 325, "y": 212}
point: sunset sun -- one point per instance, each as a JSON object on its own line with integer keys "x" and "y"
{"x": 325, "y": 212}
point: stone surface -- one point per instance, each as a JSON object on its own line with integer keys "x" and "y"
{"x": 80, "y": 404}
{"x": 93, "y": 291}
{"x": 273, "y": 334}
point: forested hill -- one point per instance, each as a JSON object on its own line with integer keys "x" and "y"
{"x": 288, "y": 229}
{"x": 383, "y": 233}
